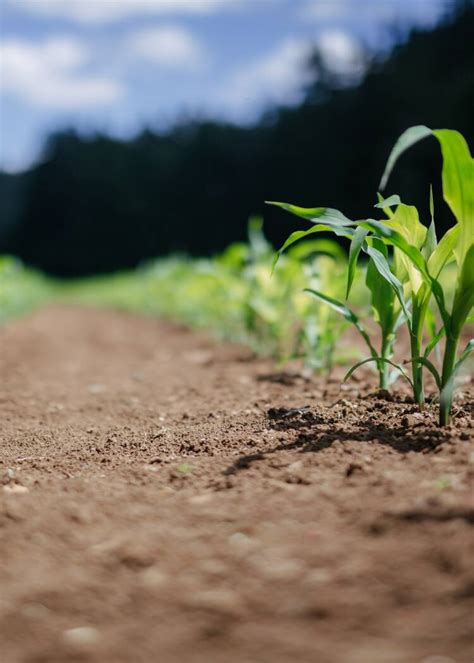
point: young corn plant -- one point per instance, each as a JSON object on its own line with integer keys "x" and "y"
{"x": 387, "y": 313}
{"x": 400, "y": 275}
{"x": 403, "y": 284}
{"x": 323, "y": 264}
{"x": 457, "y": 244}
{"x": 278, "y": 317}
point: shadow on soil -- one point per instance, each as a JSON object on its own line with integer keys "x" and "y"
{"x": 310, "y": 439}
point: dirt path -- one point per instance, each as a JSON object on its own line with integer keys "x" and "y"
{"x": 163, "y": 502}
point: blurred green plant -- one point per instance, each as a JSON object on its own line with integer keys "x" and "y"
{"x": 21, "y": 289}
{"x": 233, "y": 293}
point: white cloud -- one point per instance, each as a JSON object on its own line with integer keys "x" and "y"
{"x": 105, "y": 11}
{"x": 170, "y": 46}
{"x": 278, "y": 77}
{"x": 281, "y": 75}
{"x": 341, "y": 53}
{"x": 45, "y": 74}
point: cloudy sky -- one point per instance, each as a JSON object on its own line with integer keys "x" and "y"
{"x": 117, "y": 65}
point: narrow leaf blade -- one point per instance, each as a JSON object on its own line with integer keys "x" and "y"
{"x": 406, "y": 140}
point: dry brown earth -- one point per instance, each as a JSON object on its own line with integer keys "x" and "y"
{"x": 169, "y": 499}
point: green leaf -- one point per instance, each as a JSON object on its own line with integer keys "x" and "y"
{"x": 431, "y": 204}
{"x": 464, "y": 294}
{"x": 348, "y": 314}
{"x": 314, "y": 214}
{"x": 458, "y": 185}
{"x": 431, "y": 241}
{"x": 406, "y": 221}
{"x": 378, "y": 359}
{"x": 393, "y": 237}
{"x": 354, "y": 251}
{"x": 406, "y": 140}
{"x": 382, "y": 291}
{"x": 430, "y": 366}
{"x": 446, "y": 395}
{"x": 434, "y": 342}
{"x": 325, "y": 246}
{"x": 391, "y": 201}
{"x": 341, "y": 231}
{"x": 444, "y": 252}
{"x": 438, "y": 293}
{"x": 457, "y": 176}
{"x": 388, "y": 211}
{"x": 383, "y": 268}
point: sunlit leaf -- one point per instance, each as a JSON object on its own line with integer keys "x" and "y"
{"x": 464, "y": 295}
{"x": 391, "y": 201}
{"x": 314, "y": 214}
{"x": 443, "y": 253}
{"x": 406, "y": 140}
{"x": 458, "y": 185}
{"x": 296, "y": 236}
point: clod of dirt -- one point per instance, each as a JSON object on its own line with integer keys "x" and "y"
{"x": 284, "y": 413}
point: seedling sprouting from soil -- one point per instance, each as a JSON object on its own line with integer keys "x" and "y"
{"x": 405, "y": 263}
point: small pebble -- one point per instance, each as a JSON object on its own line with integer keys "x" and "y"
{"x": 241, "y": 541}
{"x": 81, "y": 636}
{"x": 96, "y": 388}
{"x": 204, "y": 498}
{"x": 152, "y": 577}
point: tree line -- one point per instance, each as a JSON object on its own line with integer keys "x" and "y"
{"x": 100, "y": 204}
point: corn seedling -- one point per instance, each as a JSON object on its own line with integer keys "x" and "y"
{"x": 428, "y": 262}
{"x": 382, "y": 296}
{"x": 323, "y": 263}
{"x": 403, "y": 284}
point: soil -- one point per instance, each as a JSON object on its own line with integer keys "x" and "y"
{"x": 166, "y": 498}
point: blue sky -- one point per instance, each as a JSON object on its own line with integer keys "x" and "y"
{"x": 118, "y": 65}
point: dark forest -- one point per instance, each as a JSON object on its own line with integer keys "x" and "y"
{"x": 97, "y": 204}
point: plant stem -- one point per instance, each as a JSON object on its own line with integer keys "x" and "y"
{"x": 382, "y": 366}
{"x": 447, "y": 389}
{"x": 420, "y": 305}
{"x": 417, "y": 371}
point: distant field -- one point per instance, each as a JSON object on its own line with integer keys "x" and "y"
{"x": 234, "y": 295}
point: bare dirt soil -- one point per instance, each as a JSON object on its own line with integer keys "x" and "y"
{"x": 165, "y": 498}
